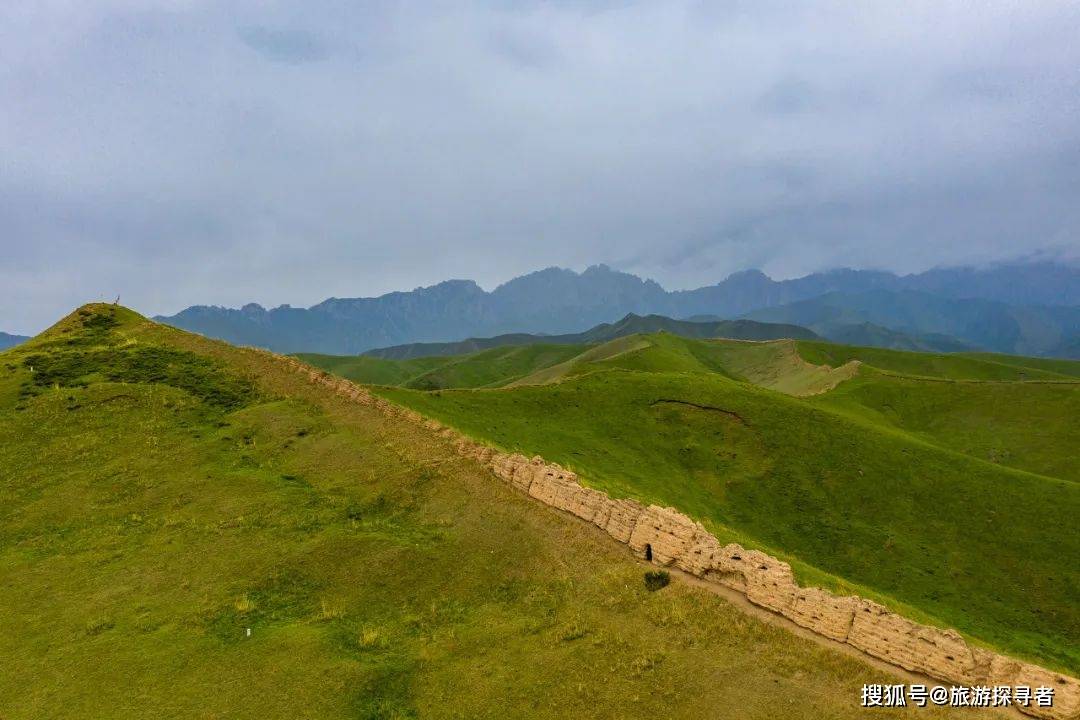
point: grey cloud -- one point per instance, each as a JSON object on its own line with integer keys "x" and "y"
{"x": 525, "y": 49}
{"x": 790, "y": 95}
{"x": 284, "y": 45}
{"x": 183, "y": 151}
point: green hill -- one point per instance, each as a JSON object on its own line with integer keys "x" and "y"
{"x": 630, "y": 325}
{"x": 373, "y": 370}
{"x": 869, "y": 334}
{"x": 770, "y": 364}
{"x": 164, "y": 494}
{"x": 951, "y": 366}
{"x": 944, "y": 485}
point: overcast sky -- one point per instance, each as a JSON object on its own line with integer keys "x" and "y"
{"x": 178, "y": 152}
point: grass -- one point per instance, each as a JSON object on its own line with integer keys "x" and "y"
{"x": 370, "y": 370}
{"x": 146, "y": 526}
{"x": 1025, "y": 425}
{"x": 953, "y": 366}
{"x": 657, "y": 580}
{"x": 950, "y": 494}
{"x": 493, "y": 367}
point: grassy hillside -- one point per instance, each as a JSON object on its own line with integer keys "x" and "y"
{"x": 952, "y": 366}
{"x": 162, "y": 494}
{"x": 1069, "y": 368}
{"x": 492, "y": 367}
{"x": 1014, "y": 411}
{"x": 1028, "y": 426}
{"x": 605, "y": 332}
{"x": 1010, "y": 410}
{"x": 372, "y": 370}
{"x": 950, "y": 492}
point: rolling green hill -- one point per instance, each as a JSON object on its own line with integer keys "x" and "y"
{"x": 373, "y": 370}
{"x": 188, "y": 529}
{"x": 770, "y": 364}
{"x": 869, "y": 334}
{"x": 630, "y": 325}
{"x": 952, "y": 366}
{"x": 944, "y": 485}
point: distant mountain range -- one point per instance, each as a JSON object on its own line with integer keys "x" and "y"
{"x": 629, "y": 325}
{"x": 7, "y": 340}
{"x": 935, "y": 321}
{"x": 1025, "y": 298}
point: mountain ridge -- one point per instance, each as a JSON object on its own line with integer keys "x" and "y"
{"x": 560, "y": 301}
{"x": 8, "y": 340}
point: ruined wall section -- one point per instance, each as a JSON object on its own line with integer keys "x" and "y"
{"x": 674, "y": 540}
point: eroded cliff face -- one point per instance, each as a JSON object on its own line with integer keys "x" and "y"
{"x": 668, "y": 538}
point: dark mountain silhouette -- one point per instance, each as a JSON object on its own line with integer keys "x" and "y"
{"x": 558, "y": 301}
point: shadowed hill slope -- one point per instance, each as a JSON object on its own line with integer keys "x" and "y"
{"x": 164, "y": 494}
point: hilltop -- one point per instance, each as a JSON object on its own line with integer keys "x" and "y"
{"x": 192, "y": 529}
{"x": 558, "y": 301}
{"x": 629, "y": 325}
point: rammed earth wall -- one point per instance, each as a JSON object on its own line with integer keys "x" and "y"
{"x": 672, "y": 539}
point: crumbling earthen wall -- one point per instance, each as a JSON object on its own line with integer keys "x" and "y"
{"x": 670, "y": 538}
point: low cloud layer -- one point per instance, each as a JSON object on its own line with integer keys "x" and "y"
{"x": 177, "y": 151}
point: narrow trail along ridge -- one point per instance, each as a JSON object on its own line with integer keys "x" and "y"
{"x": 671, "y": 539}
